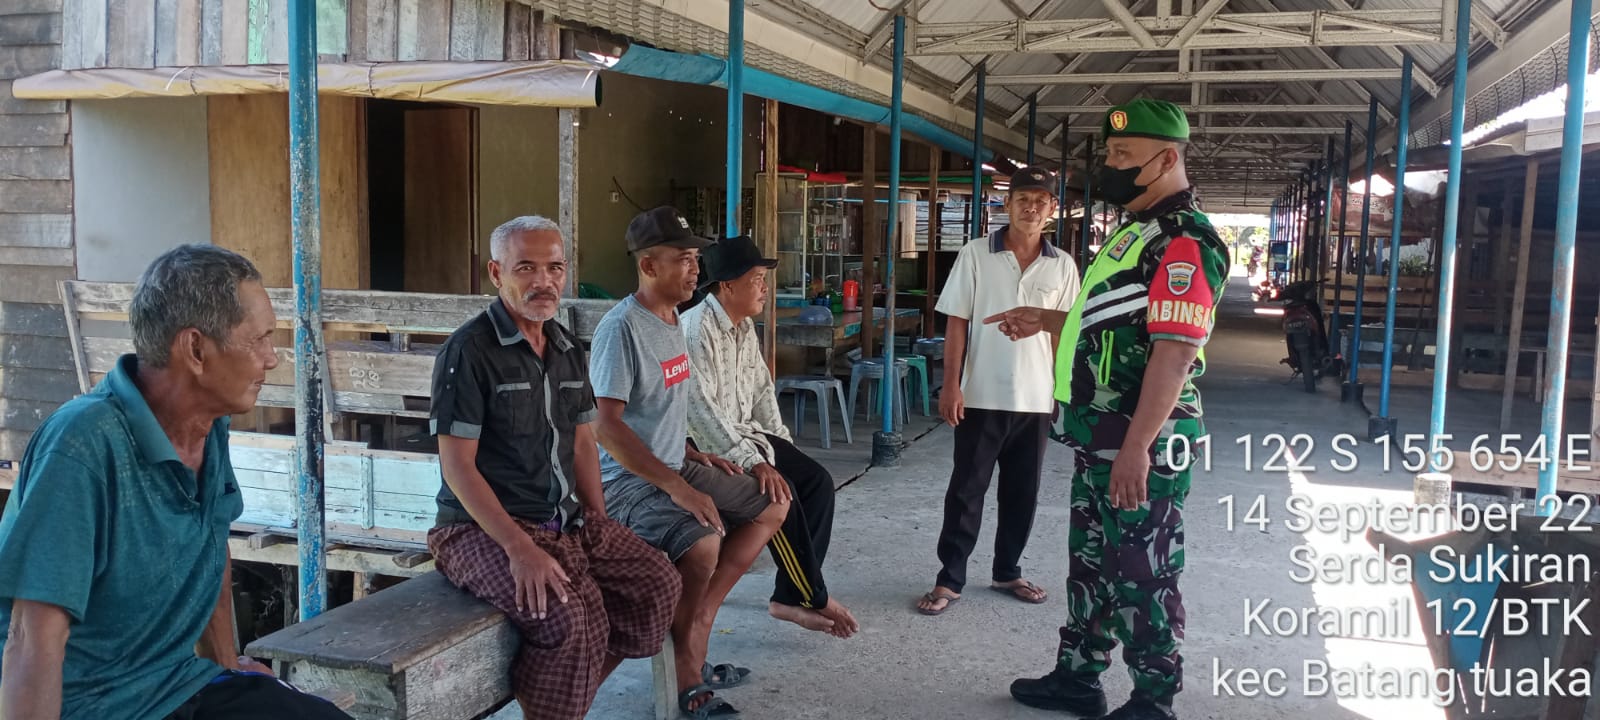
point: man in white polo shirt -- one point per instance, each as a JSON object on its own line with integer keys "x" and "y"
{"x": 998, "y": 394}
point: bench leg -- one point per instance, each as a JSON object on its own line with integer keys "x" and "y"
{"x": 664, "y": 672}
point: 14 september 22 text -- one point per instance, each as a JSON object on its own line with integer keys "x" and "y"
{"x": 1334, "y": 553}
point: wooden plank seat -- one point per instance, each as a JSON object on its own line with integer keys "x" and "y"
{"x": 421, "y": 650}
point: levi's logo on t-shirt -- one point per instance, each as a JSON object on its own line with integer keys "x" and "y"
{"x": 676, "y": 370}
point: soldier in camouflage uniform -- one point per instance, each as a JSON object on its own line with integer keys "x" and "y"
{"x": 1129, "y": 350}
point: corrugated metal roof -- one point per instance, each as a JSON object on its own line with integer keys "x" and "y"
{"x": 1431, "y": 61}
{"x": 850, "y": 24}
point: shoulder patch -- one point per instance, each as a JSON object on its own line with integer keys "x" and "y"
{"x": 1180, "y": 277}
{"x": 1118, "y": 250}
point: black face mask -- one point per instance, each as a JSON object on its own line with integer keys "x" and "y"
{"x": 1119, "y": 186}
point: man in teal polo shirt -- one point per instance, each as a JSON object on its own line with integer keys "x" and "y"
{"x": 114, "y": 542}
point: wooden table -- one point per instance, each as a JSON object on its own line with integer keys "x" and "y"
{"x": 843, "y": 333}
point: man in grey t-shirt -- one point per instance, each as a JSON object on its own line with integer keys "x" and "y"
{"x": 708, "y": 516}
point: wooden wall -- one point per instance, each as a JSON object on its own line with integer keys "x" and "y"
{"x": 177, "y": 33}
{"x": 35, "y": 228}
{"x": 247, "y": 137}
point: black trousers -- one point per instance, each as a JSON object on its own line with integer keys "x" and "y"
{"x": 1015, "y": 441}
{"x": 249, "y": 696}
{"x": 801, "y": 544}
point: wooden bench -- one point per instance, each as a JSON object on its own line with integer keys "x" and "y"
{"x": 391, "y": 377}
{"x": 421, "y": 650}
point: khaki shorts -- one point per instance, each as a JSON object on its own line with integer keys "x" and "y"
{"x": 654, "y": 517}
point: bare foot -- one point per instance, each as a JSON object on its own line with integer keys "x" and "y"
{"x": 808, "y": 619}
{"x": 844, "y": 624}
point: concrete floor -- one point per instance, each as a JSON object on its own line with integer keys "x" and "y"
{"x": 905, "y": 665}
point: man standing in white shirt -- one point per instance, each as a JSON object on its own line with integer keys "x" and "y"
{"x": 998, "y": 394}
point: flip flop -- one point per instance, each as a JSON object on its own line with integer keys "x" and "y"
{"x": 730, "y": 675}
{"x": 714, "y": 707}
{"x": 930, "y": 597}
{"x": 1012, "y": 590}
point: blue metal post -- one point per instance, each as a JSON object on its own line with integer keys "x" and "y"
{"x": 886, "y": 444}
{"x": 305, "y": 197}
{"x": 1342, "y": 243}
{"x": 1566, "y": 235}
{"x": 1272, "y": 234}
{"x": 1088, "y": 204}
{"x": 1061, "y": 192}
{"x": 1361, "y": 263}
{"x": 1325, "y": 228}
{"x": 1033, "y": 123}
{"x": 1452, "y": 221}
{"x": 1277, "y": 236}
{"x": 977, "y": 154}
{"x": 1383, "y": 425}
{"x": 1295, "y": 260}
{"x": 735, "y": 177}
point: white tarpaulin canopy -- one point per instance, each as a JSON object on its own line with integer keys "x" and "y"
{"x": 548, "y": 83}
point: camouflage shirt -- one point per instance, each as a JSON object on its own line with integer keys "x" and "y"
{"x": 1158, "y": 277}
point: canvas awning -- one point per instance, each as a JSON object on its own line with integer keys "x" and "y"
{"x": 548, "y": 83}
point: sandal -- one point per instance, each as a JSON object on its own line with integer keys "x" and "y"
{"x": 716, "y": 706}
{"x": 931, "y": 597}
{"x": 1023, "y": 590}
{"x": 722, "y": 676}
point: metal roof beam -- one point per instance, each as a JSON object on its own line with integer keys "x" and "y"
{"x": 883, "y": 32}
{"x": 1210, "y": 59}
{"x": 1281, "y": 131}
{"x": 1190, "y": 29}
{"x": 1177, "y": 78}
{"x": 1294, "y": 109}
{"x": 1483, "y": 21}
{"x": 1206, "y": 29}
{"x": 1392, "y": 52}
{"x": 1123, "y": 16}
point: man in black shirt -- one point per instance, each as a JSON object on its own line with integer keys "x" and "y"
{"x": 522, "y": 518}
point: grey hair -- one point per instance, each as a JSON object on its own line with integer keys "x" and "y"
{"x": 500, "y": 239}
{"x": 190, "y": 286}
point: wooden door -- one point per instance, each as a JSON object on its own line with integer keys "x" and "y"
{"x": 440, "y": 222}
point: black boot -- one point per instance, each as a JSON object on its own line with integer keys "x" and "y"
{"x": 1143, "y": 709}
{"x": 1076, "y": 693}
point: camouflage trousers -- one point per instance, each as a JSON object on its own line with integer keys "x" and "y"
{"x": 1122, "y": 582}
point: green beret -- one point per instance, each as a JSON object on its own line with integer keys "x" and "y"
{"x": 1157, "y": 119}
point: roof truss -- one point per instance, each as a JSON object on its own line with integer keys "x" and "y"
{"x": 1207, "y": 29}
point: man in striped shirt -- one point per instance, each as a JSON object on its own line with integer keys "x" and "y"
{"x": 734, "y": 415}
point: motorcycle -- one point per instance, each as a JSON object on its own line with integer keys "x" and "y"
{"x": 1305, "y": 332}
{"x": 1268, "y": 290}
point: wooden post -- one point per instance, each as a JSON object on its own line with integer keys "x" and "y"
{"x": 567, "y": 184}
{"x": 869, "y": 232}
{"x": 1502, "y": 256}
{"x": 664, "y": 676}
{"x": 933, "y": 240}
{"x": 769, "y": 230}
{"x": 545, "y": 44}
{"x": 546, "y": 38}
{"x": 1519, "y": 298}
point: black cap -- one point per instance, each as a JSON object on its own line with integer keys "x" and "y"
{"x": 731, "y": 258}
{"x": 662, "y": 226}
{"x": 1034, "y": 178}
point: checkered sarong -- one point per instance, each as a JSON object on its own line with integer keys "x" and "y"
{"x": 622, "y": 600}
